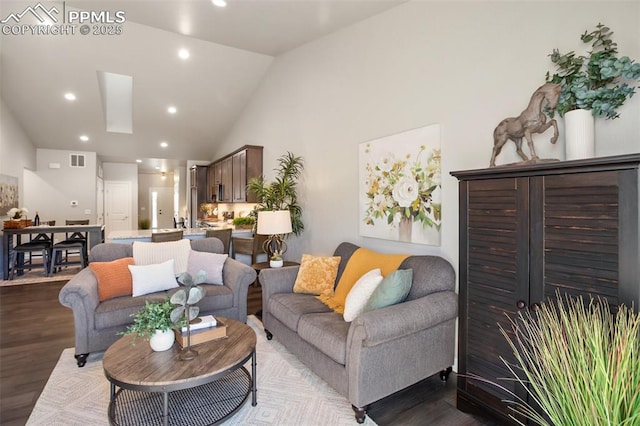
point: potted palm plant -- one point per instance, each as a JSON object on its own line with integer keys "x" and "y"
{"x": 281, "y": 194}
{"x": 595, "y": 84}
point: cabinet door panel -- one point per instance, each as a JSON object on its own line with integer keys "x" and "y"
{"x": 580, "y": 249}
{"x": 496, "y": 278}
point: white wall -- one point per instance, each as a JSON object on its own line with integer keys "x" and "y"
{"x": 466, "y": 66}
{"x": 50, "y": 191}
{"x": 16, "y": 150}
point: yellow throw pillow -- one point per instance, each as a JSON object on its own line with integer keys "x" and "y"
{"x": 114, "y": 278}
{"x": 361, "y": 261}
{"x": 317, "y": 275}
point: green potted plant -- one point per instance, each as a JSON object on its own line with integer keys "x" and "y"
{"x": 153, "y": 323}
{"x": 276, "y": 261}
{"x": 579, "y": 363}
{"x": 595, "y": 84}
{"x": 600, "y": 81}
{"x": 244, "y": 222}
{"x": 281, "y": 194}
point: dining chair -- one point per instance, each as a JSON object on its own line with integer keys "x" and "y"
{"x": 251, "y": 246}
{"x": 75, "y": 243}
{"x": 223, "y": 235}
{"x": 159, "y": 237}
{"x": 41, "y": 245}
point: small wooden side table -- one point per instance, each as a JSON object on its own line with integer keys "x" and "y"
{"x": 265, "y": 265}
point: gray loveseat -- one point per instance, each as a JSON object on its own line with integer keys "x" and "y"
{"x": 381, "y": 351}
{"x": 97, "y": 323}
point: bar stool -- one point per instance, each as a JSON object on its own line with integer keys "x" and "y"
{"x": 74, "y": 243}
{"x": 41, "y": 245}
{"x": 251, "y": 246}
{"x": 159, "y": 237}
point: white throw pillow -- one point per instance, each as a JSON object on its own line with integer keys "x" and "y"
{"x": 145, "y": 253}
{"x": 360, "y": 294}
{"x": 152, "y": 278}
{"x": 211, "y": 263}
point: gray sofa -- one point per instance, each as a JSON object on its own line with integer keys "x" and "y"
{"x": 381, "y": 351}
{"x": 97, "y": 323}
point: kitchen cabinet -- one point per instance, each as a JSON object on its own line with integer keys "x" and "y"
{"x": 231, "y": 174}
{"x": 199, "y": 182}
{"x": 527, "y": 231}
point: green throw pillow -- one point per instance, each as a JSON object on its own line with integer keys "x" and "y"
{"x": 393, "y": 289}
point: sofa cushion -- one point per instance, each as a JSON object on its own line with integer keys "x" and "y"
{"x": 211, "y": 263}
{"x": 316, "y": 275}
{"x": 145, "y": 253}
{"x": 393, "y": 289}
{"x": 118, "y": 311}
{"x": 216, "y": 297}
{"x": 114, "y": 278}
{"x": 360, "y": 293}
{"x": 362, "y": 261}
{"x": 153, "y": 278}
{"x": 289, "y": 307}
{"x": 327, "y": 332}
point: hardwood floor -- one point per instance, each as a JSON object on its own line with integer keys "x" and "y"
{"x": 35, "y": 328}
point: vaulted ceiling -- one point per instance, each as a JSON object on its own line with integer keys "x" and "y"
{"x": 135, "y": 73}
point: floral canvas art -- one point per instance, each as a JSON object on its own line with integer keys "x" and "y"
{"x": 8, "y": 193}
{"x": 399, "y": 189}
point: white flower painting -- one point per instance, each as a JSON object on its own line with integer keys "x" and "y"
{"x": 399, "y": 189}
{"x": 8, "y": 193}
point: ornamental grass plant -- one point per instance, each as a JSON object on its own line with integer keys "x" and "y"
{"x": 580, "y": 363}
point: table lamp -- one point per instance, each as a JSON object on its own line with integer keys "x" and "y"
{"x": 274, "y": 224}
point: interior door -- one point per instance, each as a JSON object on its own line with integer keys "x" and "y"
{"x": 118, "y": 206}
{"x": 161, "y": 202}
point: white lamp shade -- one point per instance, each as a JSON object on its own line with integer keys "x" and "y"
{"x": 274, "y": 222}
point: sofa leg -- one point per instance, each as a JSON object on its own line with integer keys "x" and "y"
{"x": 82, "y": 359}
{"x": 444, "y": 374}
{"x": 361, "y": 413}
{"x": 269, "y": 335}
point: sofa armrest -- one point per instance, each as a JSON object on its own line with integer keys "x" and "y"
{"x": 238, "y": 277}
{"x": 81, "y": 290}
{"x": 277, "y": 280}
{"x": 393, "y": 322}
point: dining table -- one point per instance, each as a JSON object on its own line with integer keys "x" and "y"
{"x": 13, "y": 236}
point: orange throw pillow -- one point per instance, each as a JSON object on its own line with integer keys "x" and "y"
{"x": 361, "y": 261}
{"x": 114, "y": 278}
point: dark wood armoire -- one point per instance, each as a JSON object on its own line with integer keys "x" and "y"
{"x": 527, "y": 231}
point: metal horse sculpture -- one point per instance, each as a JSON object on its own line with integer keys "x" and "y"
{"x": 532, "y": 120}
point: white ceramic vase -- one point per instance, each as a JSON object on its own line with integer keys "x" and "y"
{"x": 276, "y": 263}
{"x": 579, "y": 134}
{"x": 162, "y": 340}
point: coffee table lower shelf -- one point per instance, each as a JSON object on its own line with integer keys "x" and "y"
{"x": 208, "y": 404}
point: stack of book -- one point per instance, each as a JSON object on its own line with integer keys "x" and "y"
{"x": 203, "y": 329}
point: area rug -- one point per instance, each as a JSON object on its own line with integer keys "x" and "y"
{"x": 288, "y": 392}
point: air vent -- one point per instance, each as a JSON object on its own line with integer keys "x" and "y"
{"x": 76, "y": 160}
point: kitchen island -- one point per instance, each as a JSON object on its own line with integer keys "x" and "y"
{"x": 129, "y": 236}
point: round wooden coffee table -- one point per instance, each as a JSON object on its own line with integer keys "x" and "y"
{"x": 159, "y": 388}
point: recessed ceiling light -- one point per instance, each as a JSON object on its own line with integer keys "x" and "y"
{"x": 157, "y": 167}
{"x": 164, "y": 144}
{"x": 138, "y": 161}
{"x": 219, "y": 3}
{"x": 70, "y": 96}
{"x": 183, "y": 53}
{"x": 172, "y": 110}
{"x": 84, "y": 138}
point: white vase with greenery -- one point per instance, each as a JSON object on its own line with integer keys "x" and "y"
{"x": 599, "y": 82}
{"x": 153, "y": 323}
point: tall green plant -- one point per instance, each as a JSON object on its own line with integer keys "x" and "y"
{"x": 281, "y": 194}
{"x": 579, "y": 363}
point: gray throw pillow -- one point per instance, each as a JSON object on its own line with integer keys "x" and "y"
{"x": 393, "y": 289}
